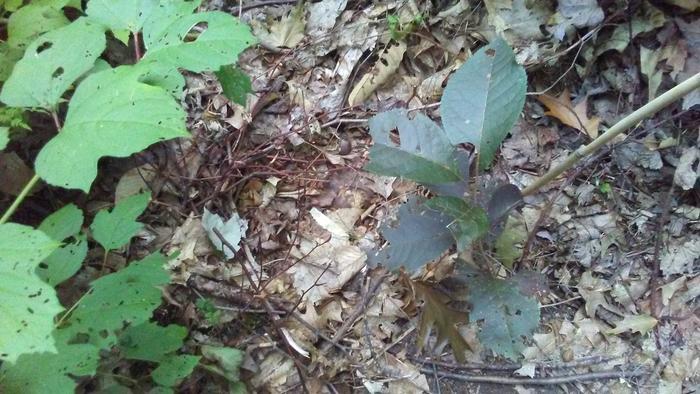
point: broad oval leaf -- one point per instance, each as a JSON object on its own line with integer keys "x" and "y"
{"x": 222, "y": 39}
{"x": 418, "y": 235}
{"x": 151, "y": 342}
{"x": 483, "y": 99}
{"x": 112, "y": 113}
{"x": 52, "y": 63}
{"x": 423, "y": 154}
{"x": 27, "y": 304}
{"x": 173, "y": 369}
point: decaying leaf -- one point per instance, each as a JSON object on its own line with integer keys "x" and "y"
{"x": 572, "y": 116}
{"x": 232, "y": 230}
{"x": 285, "y": 33}
{"x": 680, "y": 255}
{"x": 635, "y": 323}
{"x": 436, "y": 313}
{"x": 385, "y": 68}
{"x": 688, "y": 169}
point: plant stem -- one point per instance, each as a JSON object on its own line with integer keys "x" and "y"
{"x": 629, "y": 121}
{"x": 20, "y": 197}
{"x": 137, "y": 45}
{"x": 30, "y": 185}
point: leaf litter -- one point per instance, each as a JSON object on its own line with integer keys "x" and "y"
{"x": 315, "y": 220}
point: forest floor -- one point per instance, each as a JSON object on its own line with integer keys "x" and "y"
{"x": 286, "y": 171}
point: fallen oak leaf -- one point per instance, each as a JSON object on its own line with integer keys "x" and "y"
{"x": 636, "y": 323}
{"x": 386, "y": 66}
{"x": 572, "y": 116}
{"x": 436, "y": 313}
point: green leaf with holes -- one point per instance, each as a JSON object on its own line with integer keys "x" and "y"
{"x": 235, "y": 84}
{"x": 65, "y": 261}
{"x": 50, "y": 372}
{"x": 151, "y": 342}
{"x": 198, "y": 42}
{"x": 113, "y": 229}
{"x": 127, "y": 297}
{"x": 112, "y": 113}
{"x": 422, "y": 154}
{"x": 506, "y": 316}
{"x": 27, "y": 304}
{"x": 483, "y": 99}
{"x": 121, "y": 14}
{"x": 31, "y": 21}
{"x": 52, "y": 63}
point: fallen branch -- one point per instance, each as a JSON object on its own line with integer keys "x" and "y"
{"x": 627, "y": 122}
{"x": 553, "y": 380}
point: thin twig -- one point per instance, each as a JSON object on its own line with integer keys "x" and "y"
{"x": 580, "y": 362}
{"x": 553, "y": 380}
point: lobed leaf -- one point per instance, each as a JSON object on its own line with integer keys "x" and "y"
{"x": 65, "y": 261}
{"x": 112, "y": 113}
{"x": 506, "y": 316}
{"x": 151, "y": 342}
{"x": 114, "y": 229}
{"x": 126, "y": 297}
{"x": 436, "y": 313}
{"x": 483, "y": 99}
{"x": 419, "y": 234}
{"x": 27, "y": 304}
{"x": 52, "y": 63}
{"x": 423, "y": 154}
{"x": 219, "y": 44}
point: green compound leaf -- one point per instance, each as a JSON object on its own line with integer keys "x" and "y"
{"x": 470, "y": 222}
{"x": 4, "y": 137}
{"x": 121, "y": 14}
{"x": 151, "y": 342}
{"x": 424, "y": 154}
{"x": 174, "y": 369}
{"x": 52, "y": 63}
{"x": 49, "y": 372}
{"x": 114, "y": 229}
{"x": 505, "y": 315}
{"x": 31, "y": 21}
{"x": 181, "y": 45}
{"x": 483, "y": 99}
{"x": 126, "y": 297}
{"x": 112, "y": 113}
{"x": 27, "y": 304}
{"x": 65, "y": 261}
{"x": 234, "y": 83}
{"x": 418, "y": 235}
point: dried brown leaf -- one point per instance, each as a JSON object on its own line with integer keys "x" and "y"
{"x": 436, "y": 313}
{"x": 572, "y": 116}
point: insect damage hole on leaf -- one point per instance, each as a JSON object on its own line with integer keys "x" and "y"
{"x": 195, "y": 31}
